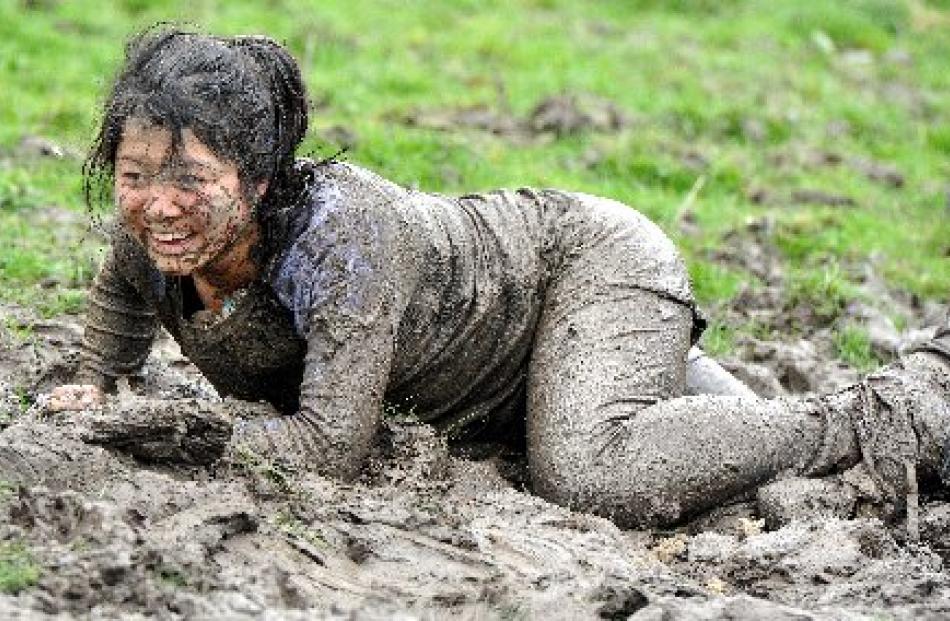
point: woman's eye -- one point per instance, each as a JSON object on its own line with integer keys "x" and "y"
{"x": 132, "y": 178}
{"x": 190, "y": 182}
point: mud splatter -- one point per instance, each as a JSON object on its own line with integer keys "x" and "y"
{"x": 423, "y": 534}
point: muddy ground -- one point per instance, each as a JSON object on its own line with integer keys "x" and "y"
{"x": 427, "y": 532}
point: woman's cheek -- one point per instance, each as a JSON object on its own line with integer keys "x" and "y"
{"x": 131, "y": 209}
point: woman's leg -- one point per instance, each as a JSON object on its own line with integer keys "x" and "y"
{"x": 608, "y": 428}
{"x": 609, "y": 432}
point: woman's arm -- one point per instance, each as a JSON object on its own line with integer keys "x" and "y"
{"x": 338, "y": 279}
{"x": 119, "y": 327}
{"x": 341, "y": 400}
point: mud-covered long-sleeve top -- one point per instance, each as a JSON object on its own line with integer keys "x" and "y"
{"x": 372, "y": 293}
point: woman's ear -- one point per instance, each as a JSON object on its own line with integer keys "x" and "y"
{"x": 262, "y": 188}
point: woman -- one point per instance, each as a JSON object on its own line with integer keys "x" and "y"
{"x": 552, "y": 317}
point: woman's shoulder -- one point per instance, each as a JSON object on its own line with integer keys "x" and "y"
{"x": 351, "y": 181}
{"x": 342, "y": 204}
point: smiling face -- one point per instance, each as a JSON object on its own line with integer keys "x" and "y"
{"x": 185, "y": 206}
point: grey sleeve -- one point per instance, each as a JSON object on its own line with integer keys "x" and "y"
{"x": 341, "y": 400}
{"x": 119, "y": 327}
{"x": 337, "y": 280}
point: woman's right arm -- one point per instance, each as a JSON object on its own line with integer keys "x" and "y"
{"x": 119, "y": 329}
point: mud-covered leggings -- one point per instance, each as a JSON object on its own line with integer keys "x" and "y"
{"x": 609, "y": 430}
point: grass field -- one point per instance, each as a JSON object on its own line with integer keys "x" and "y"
{"x": 829, "y": 119}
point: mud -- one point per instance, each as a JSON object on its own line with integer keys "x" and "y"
{"x": 425, "y": 532}
{"x": 553, "y": 116}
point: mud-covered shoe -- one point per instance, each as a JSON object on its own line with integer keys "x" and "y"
{"x": 939, "y": 348}
{"x": 940, "y": 343}
{"x": 903, "y": 424}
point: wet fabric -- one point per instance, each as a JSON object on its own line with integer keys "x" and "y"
{"x": 429, "y": 301}
{"x": 560, "y": 317}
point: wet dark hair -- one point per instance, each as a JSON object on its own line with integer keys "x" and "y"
{"x": 241, "y": 96}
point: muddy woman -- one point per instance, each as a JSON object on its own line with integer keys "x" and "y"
{"x": 553, "y": 320}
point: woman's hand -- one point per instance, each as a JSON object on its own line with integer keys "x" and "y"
{"x": 75, "y": 397}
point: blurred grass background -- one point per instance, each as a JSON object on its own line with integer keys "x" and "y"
{"x": 828, "y": 119}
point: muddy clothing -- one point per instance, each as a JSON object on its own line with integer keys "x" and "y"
{"x": 429, "y": 301}
{"x": 567, "y": 313}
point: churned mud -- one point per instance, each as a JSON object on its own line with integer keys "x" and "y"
{"x": 129, "y": 512}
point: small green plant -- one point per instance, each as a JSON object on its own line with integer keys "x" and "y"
{"x": 287, "y": 523}
{"x": 17, "y": 331}
{"x": 271, "y": 471}
{"x": 18, "y": 570}
{"x": 400, "y": 412}
{"x": 719, "y": 340}
{"x": 823, "y": 290}
{"x": 854, "y": 347}
{"x": 6, "y": 491}
{"x": 70, "y": 301}
{"x": 172, "y": 577}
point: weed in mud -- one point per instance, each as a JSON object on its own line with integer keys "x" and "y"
{"x": 513, "y": 612}
{"x": 18, "y": 570}
{"x": 822, "y": 291}
{"x": 400, "y": 413}
{"x": 289, "y": 524}
{"x": 24, "y": 399}
{"x": 900, "y": 322}
{"x": 80, "y": 545}
{"x": 853, "y": 346}
{"x": 17, "y": 331}
{"x": 172, "y": 577}
{"x": 270, "y": 471}
{"x": 6, "y": 491}
{"x": 719, "y": 340}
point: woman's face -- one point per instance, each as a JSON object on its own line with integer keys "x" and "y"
{"x": 186, "y": 208}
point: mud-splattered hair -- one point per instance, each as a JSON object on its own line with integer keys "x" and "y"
{"x": 241, "y": 96}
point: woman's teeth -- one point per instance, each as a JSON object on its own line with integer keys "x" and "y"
{"x": 168, "y": 237}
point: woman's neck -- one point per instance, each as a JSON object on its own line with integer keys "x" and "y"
{"x": 233, "y": 269}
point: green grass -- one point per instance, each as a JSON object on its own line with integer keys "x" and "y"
{"x": 719, "y": 339}
{"x": 854, "y": 347}
{"x": 18, "y": 570}
{"x": 740, "y": 94}
{"x": 822, "y": 290}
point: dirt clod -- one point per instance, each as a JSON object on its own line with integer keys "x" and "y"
{"x": 121, "y": 528}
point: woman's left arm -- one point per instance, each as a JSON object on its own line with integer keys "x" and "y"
{"x": 339, "y": 282}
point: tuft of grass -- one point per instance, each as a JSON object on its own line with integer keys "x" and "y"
{"x": 172, "y": 577}
{"x": 853, "y": 346}
{"x": 18, "y": 570}
{"x": 712, "y": 283}
{"x": 850, "y": 24}
{"x": 269, "y": 470}
{"x": 822, "y": 290}
{"x": 718, "y": 340}
{"x": 291, "y": 525}
{"x": 6, "y": 490}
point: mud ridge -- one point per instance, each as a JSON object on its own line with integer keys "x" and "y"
{"x": 160, "y": 532}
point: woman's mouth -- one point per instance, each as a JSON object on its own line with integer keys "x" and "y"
{"x": 169, "y": 242}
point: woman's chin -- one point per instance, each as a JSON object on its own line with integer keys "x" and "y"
{"x": 175, "y": 266}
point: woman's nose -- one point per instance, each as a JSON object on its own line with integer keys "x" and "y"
{"x": 163, "y": 203}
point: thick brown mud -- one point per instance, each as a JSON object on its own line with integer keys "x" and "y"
{"x": 160, "y": 528}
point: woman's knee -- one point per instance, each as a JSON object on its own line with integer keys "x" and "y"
{"x": 628, "y": 486}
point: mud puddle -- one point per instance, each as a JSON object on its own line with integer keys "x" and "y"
{"x": 425, "y": 534}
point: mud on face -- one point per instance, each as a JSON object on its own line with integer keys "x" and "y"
{"x": 185, "y": 206}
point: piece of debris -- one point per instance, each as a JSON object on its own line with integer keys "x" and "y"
{"x": 820, "y": 197}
